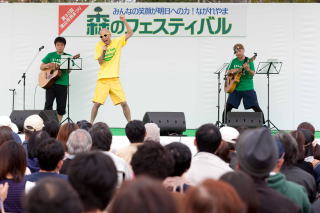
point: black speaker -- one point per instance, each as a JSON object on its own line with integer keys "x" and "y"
{"x": 18, "y": 116}
{"x": 170, "y": 123}
{"x": 245, "y": 119}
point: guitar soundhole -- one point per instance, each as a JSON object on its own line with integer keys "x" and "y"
{"x": 51, "y": 72}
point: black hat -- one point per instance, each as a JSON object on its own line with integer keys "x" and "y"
{"x": 257, "y": 152}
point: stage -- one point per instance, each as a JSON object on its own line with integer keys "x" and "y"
{"x": 169, "y": 72}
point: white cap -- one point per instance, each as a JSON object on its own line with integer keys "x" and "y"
{"x": 229, "y": 134}
{"x": 33, "y": 123}
{"x": 6, "y": 121}
{"x": 152, "y": 132}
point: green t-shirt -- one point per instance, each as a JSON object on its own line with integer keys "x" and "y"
{"x": 246, "y": 80}
{"x": 54, "y": 57}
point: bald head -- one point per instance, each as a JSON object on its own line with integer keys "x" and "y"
{"x": 104, "y": 31}
{"x": 105, "y": 36}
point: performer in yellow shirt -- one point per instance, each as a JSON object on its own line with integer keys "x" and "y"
{"x": 108, "y": 54}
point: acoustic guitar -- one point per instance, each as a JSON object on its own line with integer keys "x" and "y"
{"x": 233, "y": 79}
{"x": 47, "y": 77}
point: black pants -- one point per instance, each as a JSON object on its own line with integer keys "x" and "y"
{"x": 58, "y": 92}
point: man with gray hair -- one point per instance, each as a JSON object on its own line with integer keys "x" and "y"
{"x": 78, "y": 142}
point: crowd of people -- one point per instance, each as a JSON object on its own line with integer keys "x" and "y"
{"x": 71, "y": 168}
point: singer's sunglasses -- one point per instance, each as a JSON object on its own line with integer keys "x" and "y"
{"x": 105, "y": 35}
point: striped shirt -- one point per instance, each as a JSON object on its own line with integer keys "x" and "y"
{"x": 13, "y": 202}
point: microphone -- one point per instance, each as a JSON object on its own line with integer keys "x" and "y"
{"x": 235, "y": 50}
{"x": 41, "y": 48}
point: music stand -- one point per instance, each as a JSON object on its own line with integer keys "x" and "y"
{"x": 69, "y": 64}
{"x": 271, "y": 67}
{"x": 218, "y": 72}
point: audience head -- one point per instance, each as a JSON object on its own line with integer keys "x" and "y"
{"x": 101, "y": 136}
{"x": 135, "y": 131}
{"x": 84, "y": 124}
{"x": 224, "y": 151}
{"x": 94, "y": 176}
{"x": 50, "y": 155}
{"x": 5, "y": 134}
{"x": 308, "y": 126}
{"x": 316, "y": 152}
{"x": 290, "y": 148}
{"x": 143, "y": 195}
{"x": 152, "y": 132}
{"x": 308, "y": 131}
{"x": 245, "y": 187}
{"x": 309, "y": 138}
{"x": 299, "y": 137}
{"x": 213, "y": 196}
{"x": 152, "y": 159}
{"x": 35, "y": 140}
{"x": 229, "y": 134}
{"x": 281, "y": 153}
{"x": 52, "y": 195}
{"x": 6, "y": 121}
{"x": 32, "y": 124}
{"x": 52, "y": 128}
{"x": 182, "y": 157}
{"x": 79, "y": 141}
{"x": 257, "y": 152}
{"x": 64, "y": 132}
{"x": 208, "y": 138}
{"x": 229, "y": 137}
{"x": 16, "y": 138}
{"x": 12, "y": 161}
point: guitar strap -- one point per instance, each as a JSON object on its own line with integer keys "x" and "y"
{"x": 244, "y": 61}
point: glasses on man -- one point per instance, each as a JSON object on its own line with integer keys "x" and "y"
{"x": 105, "y": 35}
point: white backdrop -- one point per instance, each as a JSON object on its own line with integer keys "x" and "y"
{"x": 172, "y": 74}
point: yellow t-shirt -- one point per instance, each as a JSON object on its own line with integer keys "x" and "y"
{"x": 110, "y": 68}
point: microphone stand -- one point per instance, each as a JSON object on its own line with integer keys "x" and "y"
{"x": 23, "y": 77}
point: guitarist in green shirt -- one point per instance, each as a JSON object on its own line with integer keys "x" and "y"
{"x": 58, "y": 90}
{"x": 244, "y": 89}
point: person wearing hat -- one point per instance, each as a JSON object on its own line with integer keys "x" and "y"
{"x": 32, "y": 124}
{"x": 278, "y": 181}
{"x": 244, "y": 89}
{"x": 257, "y": 156}
{"x": 226, "y": 150}
{"x": 6, "y": 121}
